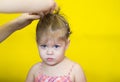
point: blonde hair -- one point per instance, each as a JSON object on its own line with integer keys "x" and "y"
{"x": 52, "y": 26}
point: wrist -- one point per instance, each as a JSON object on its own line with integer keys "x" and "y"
{"x": 12, "y": 26}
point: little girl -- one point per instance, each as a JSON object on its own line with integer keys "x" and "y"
{"x": 53, "y": 40}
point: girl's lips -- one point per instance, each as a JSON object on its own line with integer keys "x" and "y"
{"x": 50, "y": 59}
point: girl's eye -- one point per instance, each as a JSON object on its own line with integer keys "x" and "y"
{"x": 43, "y": 46}
{"x": 56, "y": 46}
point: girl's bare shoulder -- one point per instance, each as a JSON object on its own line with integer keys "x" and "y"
{"x": 79, "y": 73}
{"x": 36, "y": 67}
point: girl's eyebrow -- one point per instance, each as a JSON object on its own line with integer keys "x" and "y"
{"x": 57, "y": 44}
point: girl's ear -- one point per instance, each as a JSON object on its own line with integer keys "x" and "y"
{"x": 67, "y": 43}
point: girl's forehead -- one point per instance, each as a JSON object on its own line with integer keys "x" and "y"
{"x": 51, "y": 41}
{"x": 52, "y": 37}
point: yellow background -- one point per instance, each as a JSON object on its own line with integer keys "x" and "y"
{"x": 95, "y": 42}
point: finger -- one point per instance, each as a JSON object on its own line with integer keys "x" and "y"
{"x": 34, "y": 17}
{"x": 41, "y": 14}
{"x": 46, "y": 12}
{"x": 53, "y": 8}
{"x": 33, "y": 14}
{"x": 55, "y": 5}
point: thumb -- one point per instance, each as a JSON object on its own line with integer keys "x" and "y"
{"x": 34, "y": 17}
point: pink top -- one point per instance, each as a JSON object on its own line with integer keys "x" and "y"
{"x": 45, "y": 78}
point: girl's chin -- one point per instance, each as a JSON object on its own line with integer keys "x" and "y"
{"x": 51, "y": 63}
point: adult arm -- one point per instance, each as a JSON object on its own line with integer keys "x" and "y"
{"x": 23, "y": 6}
{"x": 16, "y": 24}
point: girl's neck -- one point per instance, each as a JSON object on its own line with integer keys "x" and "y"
{"x": 60, "y": 69}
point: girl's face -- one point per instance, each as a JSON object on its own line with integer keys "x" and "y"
{"x": 52, "y": 52}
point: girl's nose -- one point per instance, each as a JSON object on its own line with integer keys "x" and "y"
{"x": 49, "y": 52}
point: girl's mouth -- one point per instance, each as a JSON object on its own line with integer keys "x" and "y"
{"x": 50, "y": 59}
